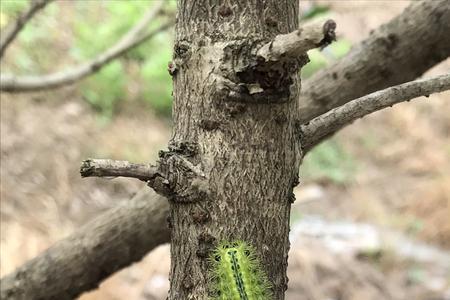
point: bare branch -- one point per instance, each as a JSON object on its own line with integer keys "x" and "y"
{"x": 120, "y": 168}
{"x": 394, "y": 53}
{"x": 133, "y": 38}
{"x": 13, "y": 30}
{"x": 78, "y": 263}
{"x": 297, "y": 43}
{"x": 117, "y": 168}
{"x": 329, "y": 123}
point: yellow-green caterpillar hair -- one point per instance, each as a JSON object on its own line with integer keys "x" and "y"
{"x": 237, "y": 273}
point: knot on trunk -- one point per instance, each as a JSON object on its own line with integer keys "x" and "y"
{"x": 184, "y": 179}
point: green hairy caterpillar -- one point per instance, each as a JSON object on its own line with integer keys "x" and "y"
{"x": 238, "y": 274}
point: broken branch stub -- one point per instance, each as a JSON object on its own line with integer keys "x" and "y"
{"x": 268, "y": 78}
{"x": 297, "y": 43}
{"x": 117, "y": 168}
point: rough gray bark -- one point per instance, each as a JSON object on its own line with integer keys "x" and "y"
{"x": 397, "y": 52}
{"x": 80, "y": 262}
{"x": 329, "y": 123}
{"x": 13, "y": 30}
{"x": 234, "y": 118}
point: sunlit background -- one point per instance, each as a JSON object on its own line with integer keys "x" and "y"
{"x": 372, "y": 215}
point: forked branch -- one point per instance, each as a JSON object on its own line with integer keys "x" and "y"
{"x": 329, "y": 123}
{"x": 136, "y": 36}
{"x": 13, "y": 30}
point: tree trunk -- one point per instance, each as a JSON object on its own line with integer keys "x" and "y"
{"x": 234, "y": 155}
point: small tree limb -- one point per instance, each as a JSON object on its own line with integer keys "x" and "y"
{"x": 329, "y": 123}
{"x": 78, "y": 263}
{"x": 135, "y": 37}
{"x": 297, "y": 43}
{"x": 117, "y": 168}
{"x": 13, "y": 30}
{"x": 396, "y": 52}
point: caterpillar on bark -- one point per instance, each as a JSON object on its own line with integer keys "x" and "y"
{"x": 237, "y": 273}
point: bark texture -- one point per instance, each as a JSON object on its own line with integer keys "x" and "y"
{"x": 80, "y": 262}
{"x": 397, "y": 52}
{"x": 234, "y": 119}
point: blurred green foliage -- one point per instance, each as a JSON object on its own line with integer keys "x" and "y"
{"x": 157, "y": 87}
{"x": 10, "y": 8}
{"x": 28, "y": 58}
{"x": 154, "y": 81}
{"x": 330, "y": 162}
{"x": 106, "y": 88}
{"x": 93, "y": 29}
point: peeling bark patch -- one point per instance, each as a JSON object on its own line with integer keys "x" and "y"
{"x": 270, "y": 75}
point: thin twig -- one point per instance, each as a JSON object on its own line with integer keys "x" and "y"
{"x": 117, "y": 168}
{"x": 329, "y": 123}
{"x": 135, "y": 37}
{"x": 13, "y": 30}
